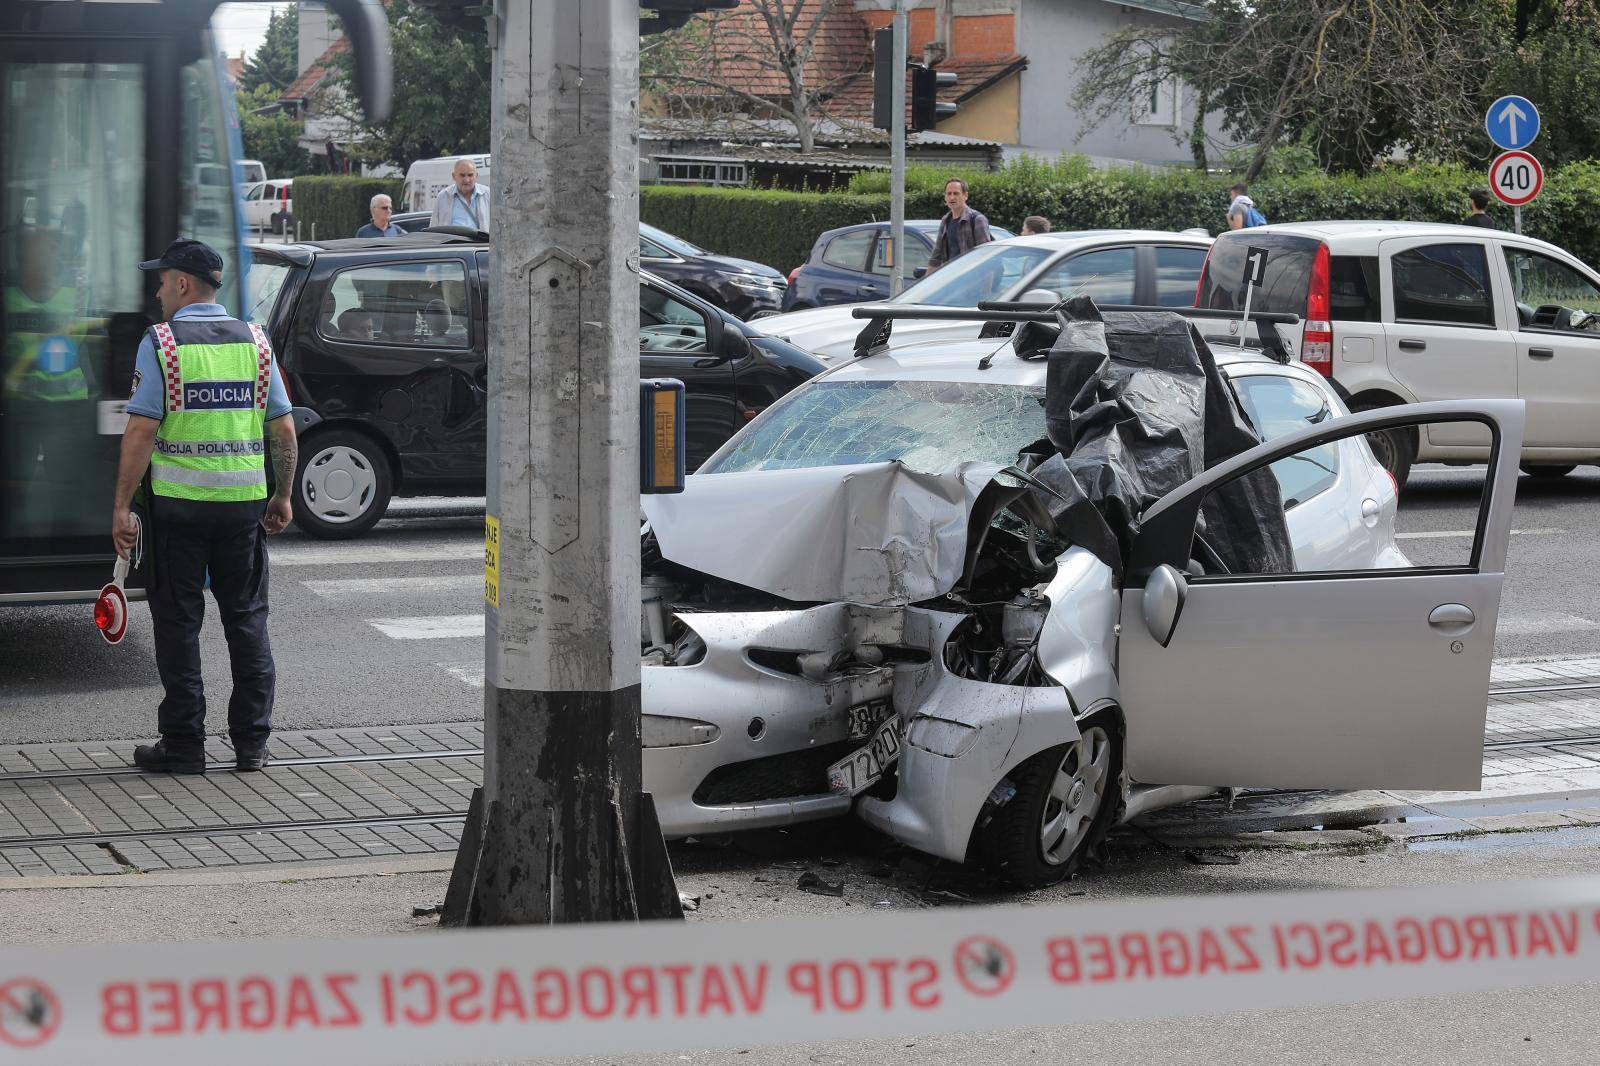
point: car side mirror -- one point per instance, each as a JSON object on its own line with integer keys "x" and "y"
{"x": 1040, "y": 296}
{"x": 1164, "y": 594}
{"x": 919, "y": 272}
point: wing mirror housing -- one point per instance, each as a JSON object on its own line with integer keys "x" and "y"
{"x": 1164, "y": 594}
{"x": 919, "y": 272}
{"x": 1040, "y": 296}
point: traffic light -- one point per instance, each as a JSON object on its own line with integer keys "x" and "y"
{"x": 926, "y": 110}
{"x": 883, "y": 78}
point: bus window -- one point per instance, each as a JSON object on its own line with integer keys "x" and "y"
{"x": 72, "y": 158}
{"x": 206, "y": 211}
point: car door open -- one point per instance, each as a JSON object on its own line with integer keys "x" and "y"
{"x": 1374, "y": 677}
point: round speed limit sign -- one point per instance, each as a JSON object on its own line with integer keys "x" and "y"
{"x": 1516, "y": 178}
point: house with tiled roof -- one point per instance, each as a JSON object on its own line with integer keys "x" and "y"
{"x": 1017, "y": 64}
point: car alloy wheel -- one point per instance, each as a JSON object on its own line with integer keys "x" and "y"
{"x": 1076, "y": 793}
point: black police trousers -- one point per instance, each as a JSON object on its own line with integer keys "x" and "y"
{"x": 235, "y": 554}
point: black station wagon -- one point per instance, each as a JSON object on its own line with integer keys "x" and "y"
{"x": 383, "y": 346}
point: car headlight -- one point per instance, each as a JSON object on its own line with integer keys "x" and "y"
{"x": 940, "y": 736}
{"x": 754, "y": 283}
{"x": 660, "y": 731}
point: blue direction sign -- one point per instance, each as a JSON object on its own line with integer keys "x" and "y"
{"x": 1512, "y": 122}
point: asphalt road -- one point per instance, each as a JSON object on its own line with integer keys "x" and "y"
{"x": 387, "y": 629}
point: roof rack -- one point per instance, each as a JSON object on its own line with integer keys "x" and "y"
{"x": 874, "y": 338}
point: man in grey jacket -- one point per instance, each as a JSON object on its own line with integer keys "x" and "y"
{"x": 466, "y": 203}
{"x": 961, "y": 230}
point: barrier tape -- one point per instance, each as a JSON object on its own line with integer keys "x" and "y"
{"x": 577, "y": 990}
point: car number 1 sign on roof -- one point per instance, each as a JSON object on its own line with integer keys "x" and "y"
{"x": 1512, "y": 122}
{"x": 1516, "y": 178}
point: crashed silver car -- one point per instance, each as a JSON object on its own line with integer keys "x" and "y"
{"x": 997, "y": 597}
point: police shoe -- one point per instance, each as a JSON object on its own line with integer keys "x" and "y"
{"x": 157, "y": 758}
{"x": 247, "y": 759}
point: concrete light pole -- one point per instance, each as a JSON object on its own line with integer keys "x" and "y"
{"x": 558, "y": 832}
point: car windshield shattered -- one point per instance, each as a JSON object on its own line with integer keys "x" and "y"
{"x": 985, "y": 273}
{"x": 930, "y": 426}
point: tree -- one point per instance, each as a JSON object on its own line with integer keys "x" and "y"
{"x": 1553, "y": 58}
{"x": 441, "y": 91}
{"x": 276, "y": 63}
{"x": 1353, "y": 79}
{"x": 759, "y": 60}
{"x": 272, "y": 138}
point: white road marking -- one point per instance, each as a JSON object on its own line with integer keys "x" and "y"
{"x": 1534, "y": 625}
{"x": 468, "y": 673}
{"x": 1447, "y": 533}
{"x": 437, "y": 627}
{"x": 368, "y": 556}
{"x": 351, "y": 588}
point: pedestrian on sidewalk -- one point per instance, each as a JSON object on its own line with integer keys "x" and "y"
{"x": 1242, "y": 211}
{"x": 1035, "y": 224}
{"x": 206, "y": 390}
{"x": 1479, "y": 199}
{"x": 465, "y": 203}
{"x": 961, "y": 229}
{"x": 382, "y": 209}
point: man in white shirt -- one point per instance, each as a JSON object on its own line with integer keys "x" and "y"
{"x": 466, "y": 203}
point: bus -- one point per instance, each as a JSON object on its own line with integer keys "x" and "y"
{"x": 117, "y": 134}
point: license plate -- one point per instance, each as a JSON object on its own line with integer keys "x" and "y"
{"x": 864, "y": 717}
{"x": 857, "y": 771}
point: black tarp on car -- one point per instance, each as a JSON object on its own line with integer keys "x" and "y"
{"x": 1135, "y": 406}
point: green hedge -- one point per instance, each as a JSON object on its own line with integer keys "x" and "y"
{"x": 771, "y": 227}
{"x": 778, "y": 228}
{"x": 337, "y": 204}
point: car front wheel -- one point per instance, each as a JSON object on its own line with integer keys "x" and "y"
{"x": 343, "y": 485}
{"x": 1550, "y": 471}
{"x": 1064, "y": 803}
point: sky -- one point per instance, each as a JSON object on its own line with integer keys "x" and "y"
{"x": 241, "y": 26}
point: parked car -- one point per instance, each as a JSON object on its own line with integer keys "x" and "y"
{"x": 1112, "y": 266}
{"x": 862, "y": 611}
{"x": 383, "y": 345}
{"x": 745, "y": 288}
{"x": 1397, "y": 312}
{"x": 852, "y": 264}
{"x": 269, "y": 205}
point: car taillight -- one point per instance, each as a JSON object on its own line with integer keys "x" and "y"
{"x": 1200, "y": 282}
{"x": 1316, "y": 346}
{"x": 793, "y": 274}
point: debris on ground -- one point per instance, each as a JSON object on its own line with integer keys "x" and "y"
{"x": 810, "y": 882}
{"x": 688, "y": 902}
{"x": 1212, "y": 858}
{"x": 426, "y": 912}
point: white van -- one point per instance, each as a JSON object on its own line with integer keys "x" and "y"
{"x": 426, "y": 177}
{"x": 249, "y": 171}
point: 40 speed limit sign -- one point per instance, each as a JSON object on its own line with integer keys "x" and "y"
{"x": 1516, "y": 178}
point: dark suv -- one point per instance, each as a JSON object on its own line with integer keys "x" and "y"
{"x": 383, "y": 348}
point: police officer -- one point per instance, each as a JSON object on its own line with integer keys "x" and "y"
{"x": 205, "y": 387}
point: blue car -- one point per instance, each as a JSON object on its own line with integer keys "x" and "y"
{"x": 851, "y": 264}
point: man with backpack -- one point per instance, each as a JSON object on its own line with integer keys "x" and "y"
{"x": 1242, "y": 211}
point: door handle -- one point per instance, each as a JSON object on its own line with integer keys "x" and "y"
{"x": 1541, "y": 353}
{"x": 1452, "y": 617}
{"x": 1409, "y": 345}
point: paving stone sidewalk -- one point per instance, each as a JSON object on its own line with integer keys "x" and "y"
{"x": 387, "y": 791}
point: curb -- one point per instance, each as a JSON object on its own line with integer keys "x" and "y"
{"x": 264, "y": 873}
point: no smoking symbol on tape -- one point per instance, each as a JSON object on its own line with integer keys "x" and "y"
{"x": 984, "y": 966}
{"x": 29, "y": 1013}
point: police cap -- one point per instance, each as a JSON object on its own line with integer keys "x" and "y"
{"x": 193, "y": 257}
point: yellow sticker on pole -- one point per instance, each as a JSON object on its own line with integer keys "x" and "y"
{"x": 491, "y": 561}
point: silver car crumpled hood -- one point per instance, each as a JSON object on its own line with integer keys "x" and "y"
{"x": 878, "y": 534}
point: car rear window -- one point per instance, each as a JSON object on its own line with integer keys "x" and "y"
{"x": 1288, "y": 273}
